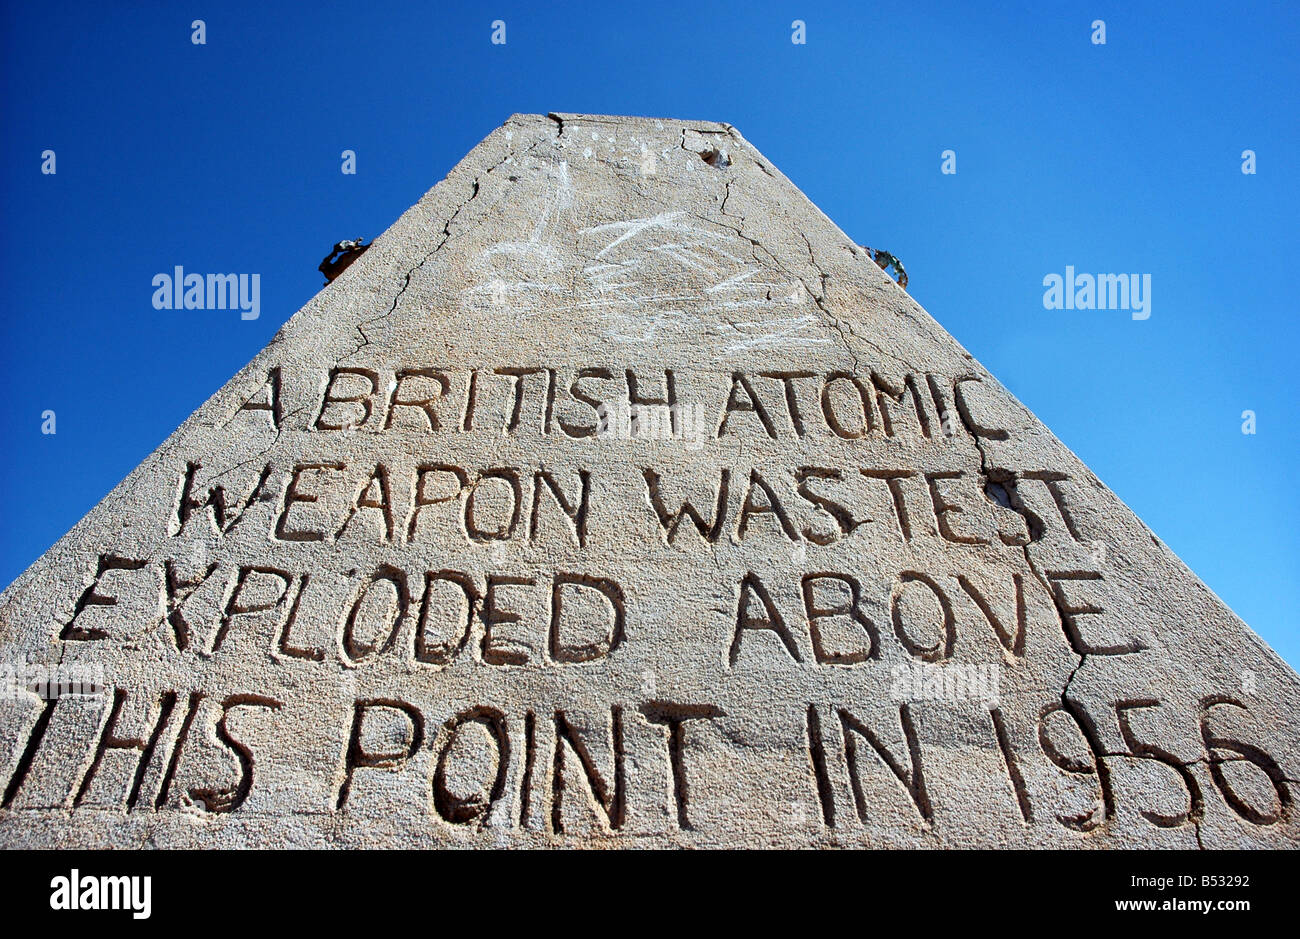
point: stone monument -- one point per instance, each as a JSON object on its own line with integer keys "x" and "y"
{"x": 615, "y": 497}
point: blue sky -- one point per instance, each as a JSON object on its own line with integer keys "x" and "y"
{"x": 1122, "y": 157}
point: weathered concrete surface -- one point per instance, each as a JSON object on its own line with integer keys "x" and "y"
{"x": 301, "y": 593}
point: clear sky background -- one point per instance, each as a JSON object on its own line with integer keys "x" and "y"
{"x": 1117, "y": 158}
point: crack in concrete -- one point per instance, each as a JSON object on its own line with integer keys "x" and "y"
{"x": 821, "y": 304}
{"x": 1068, "y": 704}
{"x": 844, "y": 330}
{"x": 475, "y": 189}
{"x": 1193, "y": 817}
{"x": 841, "y": 325}
{"x": 279, "y": 429}
{"x": 406, "y": 282}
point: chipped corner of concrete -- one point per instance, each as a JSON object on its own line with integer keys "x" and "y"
{"x": 615, "y": 497}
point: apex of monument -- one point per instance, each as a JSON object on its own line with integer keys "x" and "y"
{"x": 562, "y": 117}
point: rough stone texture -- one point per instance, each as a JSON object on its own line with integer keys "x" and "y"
{"x": 1026, "y": 663}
